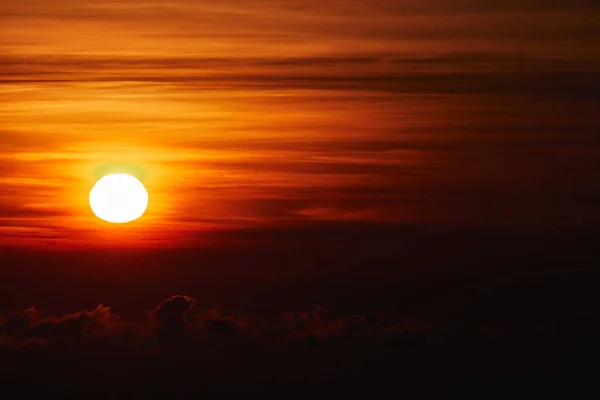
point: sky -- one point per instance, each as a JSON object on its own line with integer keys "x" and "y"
{"x": 423, "y": 175}
{"x": 288, "y": 113}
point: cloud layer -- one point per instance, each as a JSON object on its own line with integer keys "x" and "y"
{"x": 179, "y": 348}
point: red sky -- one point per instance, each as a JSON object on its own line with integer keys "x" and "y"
{"x": 240, "y": 114}
{"x": 422, "y": 174}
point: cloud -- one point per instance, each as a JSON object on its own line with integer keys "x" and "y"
{"x": 169, "y": 325}
{"x": 172, "y": 312}
{"x": 29, "y": 324}
{"x": 211, "y": 327}
{"x": 19, "y": 324}
{"x": 180, "y": 349}
{"x": 173, "y": 326}
{"x": 72, "y": 327}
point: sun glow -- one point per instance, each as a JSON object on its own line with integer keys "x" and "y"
{"x": 119, "y": 198}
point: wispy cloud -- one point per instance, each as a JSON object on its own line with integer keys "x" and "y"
{"x": 299, "y": 111}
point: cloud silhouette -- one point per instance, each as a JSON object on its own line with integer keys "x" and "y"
{"x": 169, "y": 327}
{"x": 180, "y": 349}
{"x": 174, "y": 325}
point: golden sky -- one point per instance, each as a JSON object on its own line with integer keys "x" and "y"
{"x": 240, "y": 113}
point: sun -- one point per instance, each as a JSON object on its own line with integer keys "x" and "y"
{"x": 119, "y": 198}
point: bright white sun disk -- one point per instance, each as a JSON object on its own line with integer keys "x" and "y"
{"x": 119, "y": 198}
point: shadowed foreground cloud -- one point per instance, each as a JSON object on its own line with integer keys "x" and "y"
{"x": 173, "y": 325}
{"x": 179, "y": 348}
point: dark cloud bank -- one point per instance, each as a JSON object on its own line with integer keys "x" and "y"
{"x": 181, "y": 348}
{"x": 508, "y": 317}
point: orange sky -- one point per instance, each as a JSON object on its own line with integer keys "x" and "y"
{"x": 262, "y": 113}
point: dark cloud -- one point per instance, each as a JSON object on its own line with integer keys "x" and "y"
{"x": 320, "y": 326}
{"x": 451, "y": 74}
{"x": 173, "y": 311}
{"x": 23, "y": 211}
{"x": 19, "y": 324}
{"x": 170, "y": 327}
{"x": 30, "y": 324}
{"x": 213, "y": 328}
{"x": 179, "y": 350}
{"x": 174, "y": 322}
{"x": 580, "y": 86}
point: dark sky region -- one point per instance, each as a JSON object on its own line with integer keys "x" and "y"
{"x": 346, "y": 197}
